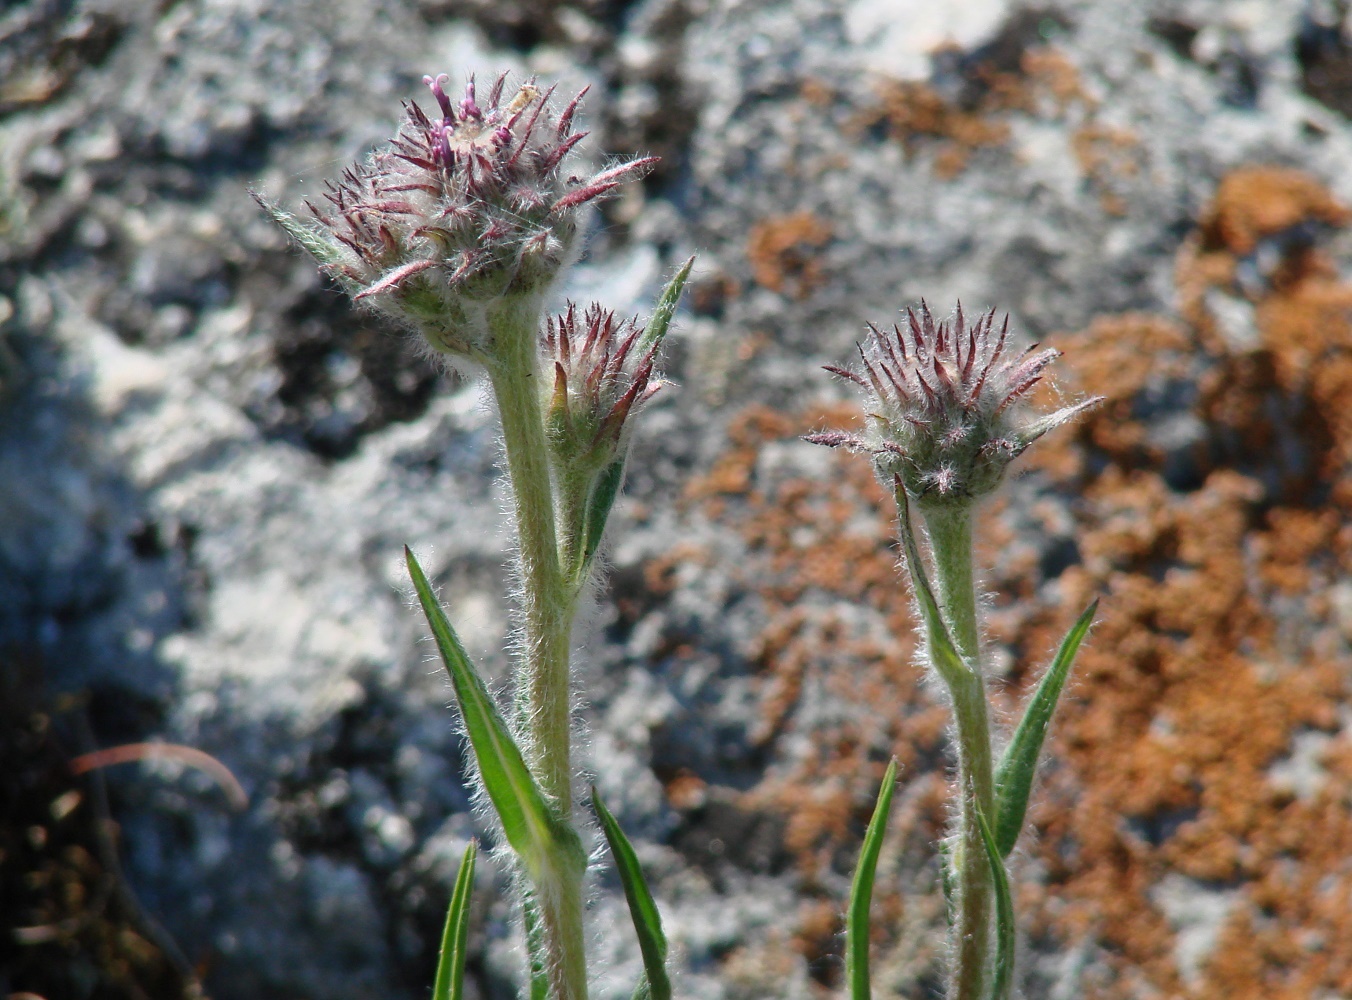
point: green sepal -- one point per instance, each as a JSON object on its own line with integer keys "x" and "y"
{"x": 1017, "y": 768}
{"x": 602, "y": 497}
{"x": 539, "y": 839}
{"x": 450, "y": 981}
{"x": 1005, "y": 938}
{"x": 861, "y": 892}
{"x": 665, "y": 309}
{"x": 652, "y": 942}
{"x": 943, "y": 652}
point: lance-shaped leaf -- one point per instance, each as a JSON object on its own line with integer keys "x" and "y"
{"x": 1004, "y": 909}
{"x": 647, "y": 921}
{"x": 1018, "y": 766}
{"x": 945, "y": 655}
{"x": 861, "y": 892}
{"x": 665, "y": 309}
{"x": 602, "y": 498}
{"x": 527, "y": 821}
{"x": 450, "y": 981}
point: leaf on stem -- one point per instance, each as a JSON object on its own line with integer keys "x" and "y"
{"x": 665, "y": 309}
{"x": 450, "y": 981}
{"x": 647, "y": 921}
{"x": 1004, "y": 908}
{"x": 1018, "y": 766}
{"x": 945, "y": 655}
{"x": 602, "y": 498}
{"x": 528, "y": 823}
{"x": 861, "y": 892}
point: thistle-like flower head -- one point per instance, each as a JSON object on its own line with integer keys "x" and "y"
{"x": 943, "y": 405}
{"x": 602, "y": 371}
{"x": 465, "y": 207}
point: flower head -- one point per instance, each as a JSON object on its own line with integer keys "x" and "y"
{"x": 944, "y": 407}
{"x": 602, "y": 372}
{"x": 459, "y": 209}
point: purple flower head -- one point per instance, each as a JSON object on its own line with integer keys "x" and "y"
{"x": 944, "y": 401}
{"x": 470, "y": 205}
{"x": 602, "y": 372}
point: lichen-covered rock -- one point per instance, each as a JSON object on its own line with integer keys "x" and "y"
{"x": 209, "y": 461}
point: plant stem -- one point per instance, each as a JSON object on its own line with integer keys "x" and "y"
{"x": 548, "y": 610}
{"x": 565, "y": 940}
{"x": 950, "y": 536}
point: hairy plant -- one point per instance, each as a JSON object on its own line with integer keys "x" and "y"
{"x": 457, "y": 230}
{"x": 945, "y": 419}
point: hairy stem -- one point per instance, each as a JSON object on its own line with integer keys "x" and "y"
{"x": 950, "y": 535}
{"x": 548, "y": 610}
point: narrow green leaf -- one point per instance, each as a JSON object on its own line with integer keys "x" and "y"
{"x": 450, "y": 981}
{"x": 1017, "y": 768}
{"x": 665, "y": 309}
{"x": 946, "y": 659}
{"x": 1004, "y": 910}
{"x": 647, "y": 921}
{"x": 527, "y": 821}
{"x": 602, "y": 498}
{"x": 861, "y": 892}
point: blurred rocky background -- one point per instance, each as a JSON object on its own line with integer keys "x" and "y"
{"x": 209, "y": 462}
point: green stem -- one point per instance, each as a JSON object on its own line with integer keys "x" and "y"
{"x": 565, "y": 941}
{"x": 548, "y": 609}
{"x": 950, "y": 536}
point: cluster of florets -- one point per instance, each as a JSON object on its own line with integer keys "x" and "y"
{"x": 602, "y": 372}
{"x": 458, "y": 210}
{"x": 942, "y": 414}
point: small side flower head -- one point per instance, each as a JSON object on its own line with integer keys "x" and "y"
{"x": 599, "y": 371}
{"x": 459, "y": 209}
{"x": 601, "y": 375}
{"x": 944, "y": 403}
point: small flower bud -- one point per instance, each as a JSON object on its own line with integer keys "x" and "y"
{"x": 943, "y": 405}
{"x": 457, "y": 212}
{"x": 601, "y": 374}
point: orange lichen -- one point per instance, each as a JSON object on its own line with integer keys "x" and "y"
{"x": 785, "y": 253}
{"x": 917, "y": 115}
{"x": 1256, "y": 202}
{"x": 1107, "y": 157}
{"x": 1049, "y": 71}
{"x": 915, "y": 111}
{"x": 1194, "y": 687}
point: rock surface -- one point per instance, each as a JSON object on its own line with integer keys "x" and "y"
{"x": 209, "y": 463}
